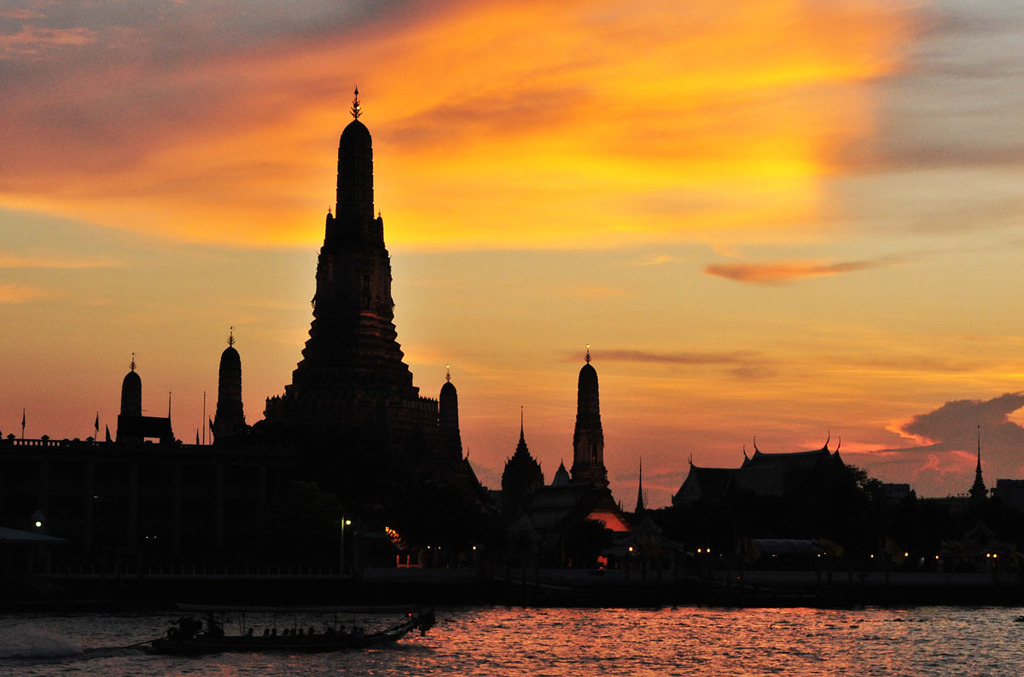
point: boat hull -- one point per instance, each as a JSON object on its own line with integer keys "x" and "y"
{"x": 322, "y": 643}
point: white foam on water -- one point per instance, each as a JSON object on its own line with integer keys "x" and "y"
{"x": 27, "y": 643}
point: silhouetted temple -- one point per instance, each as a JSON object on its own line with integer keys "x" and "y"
{"x": 350, "y": 433}
{"x": 229, "y": 422}
{"x": 521, "y": 476}
{"x": 145, "y": 496}
{"x": 774, "y": 476}
{"x": 551, "y": 518}
{"x": 351, "y": 423}
{"x": 978, "y": 492}
{"x": 352, "y": 386}
{"x": 588, "y": 437}
{"x": 132, "y": 426}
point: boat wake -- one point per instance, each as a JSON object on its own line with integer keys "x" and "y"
{"x": 36, "y": 646}
{"x": 40, "y": 647}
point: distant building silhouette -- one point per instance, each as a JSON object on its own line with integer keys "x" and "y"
{"x": 521, "y": 476}
{"x": 588, "y": 437}
{"x": 551, "y": 519}
{"x": 561, "y": 477}
{"x": 448, "y": 414}
{"x": 1011, "y": 493}
{"x": 978, "y": 491}
{"x": 229, "y": 421}
{"x": 640, "y": 508}
{"x": 132, "y": 426}
{"x": 774, "y": 476}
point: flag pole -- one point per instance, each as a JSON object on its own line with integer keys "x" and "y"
{"x": 204, "y": 416}
{"x": 23, "y": 424}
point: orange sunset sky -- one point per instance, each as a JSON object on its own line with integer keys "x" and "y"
{"x": 781, "y": 219}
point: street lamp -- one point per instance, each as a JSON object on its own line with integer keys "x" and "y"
{"x": 344, "y": 523}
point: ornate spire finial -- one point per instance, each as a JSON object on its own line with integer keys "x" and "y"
{"x": 588, "y": 354}
{"x": 448, "y": 373}
{"x": 356, "y": 111}
{"x": 979, "y": 447}
{"x": 133, "y": 362}
{"x": 231, "y": 337}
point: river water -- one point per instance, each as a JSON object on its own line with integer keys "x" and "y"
{"x": 565, "y": 642}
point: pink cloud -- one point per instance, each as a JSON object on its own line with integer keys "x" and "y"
{"x": 948, "y": 439}
{"x": 31, "y": 40}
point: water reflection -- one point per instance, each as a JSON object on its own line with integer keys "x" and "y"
{"x": 573, "y": 643}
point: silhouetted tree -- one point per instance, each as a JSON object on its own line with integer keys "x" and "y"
{"x": 584, "y": 542}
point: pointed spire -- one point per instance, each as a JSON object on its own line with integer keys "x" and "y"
{"x": 231, "y": 337}
{"x": 978, "y": 491}
{"x": 640, "y": 489}
{"x": 356, "y": 111}
{"x": 448, "y": 373}
{"x": 522, "y": 432}
{"x": 133, "y": 362}
{"x": 588, "y": 354}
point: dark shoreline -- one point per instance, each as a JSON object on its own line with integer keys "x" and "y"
{"x": 464, "y": 588}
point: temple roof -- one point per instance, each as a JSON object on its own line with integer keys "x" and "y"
{"x": 355, "y": 131}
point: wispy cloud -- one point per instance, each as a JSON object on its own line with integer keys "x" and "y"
{"x": 31, "y": 40}
{"x": 54, "y": 262}
{"x": 598, "y": 292}
{"x": 740, "y": 363}
{"x": 12, "y": 294}
{"x": 781, "y": 272}
{"x": 656, "y": 260}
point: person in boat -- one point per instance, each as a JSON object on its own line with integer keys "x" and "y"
{"x": 187, "y": 628}
{"x": 213, "y": 628}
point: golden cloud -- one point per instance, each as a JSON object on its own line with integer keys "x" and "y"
{"x": 497, "y": 124}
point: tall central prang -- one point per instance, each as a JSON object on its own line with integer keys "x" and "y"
{"x": 352, "y": 380}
